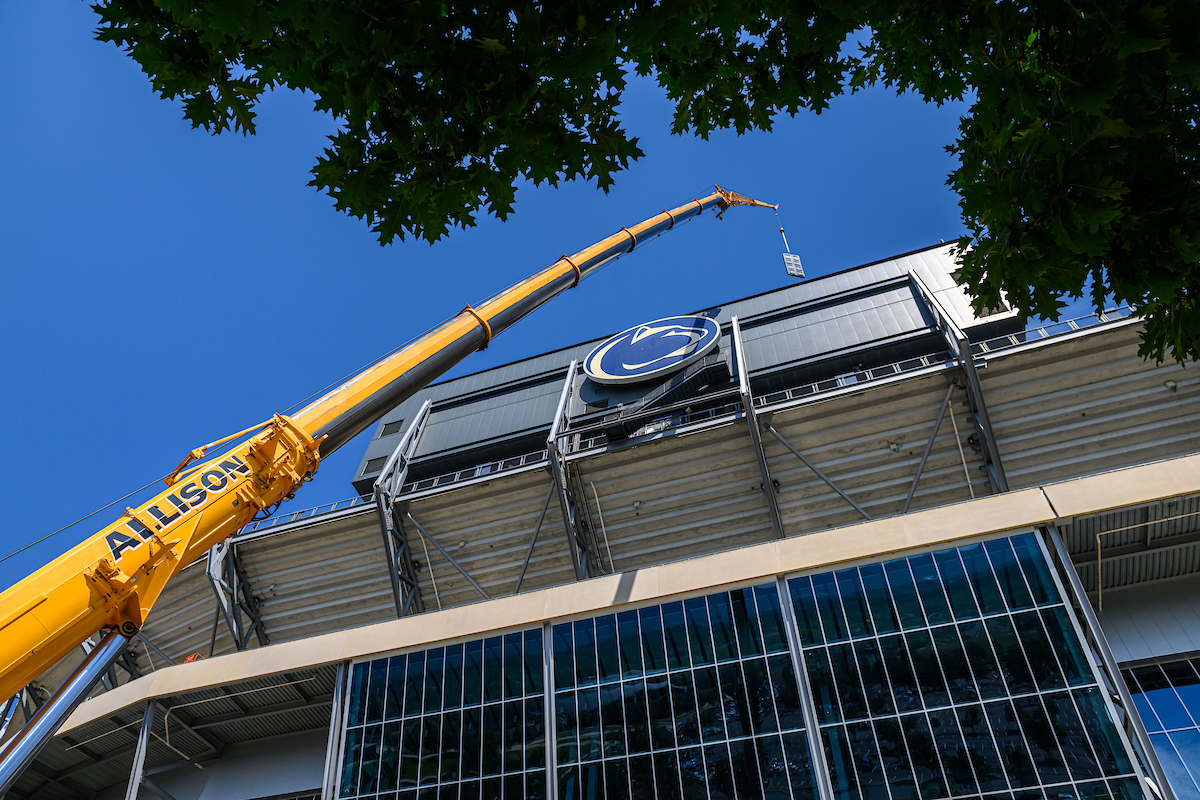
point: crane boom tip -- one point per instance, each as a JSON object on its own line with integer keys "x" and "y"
{"x": 729, "y": 198}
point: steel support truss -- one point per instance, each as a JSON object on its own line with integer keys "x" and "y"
{"x": 231, "y": 585}
{"x": 138, "y": 775}
{"x": 764, "y": 471}
{"x": 960, "y": 348}
{"x": 568, "y": 502}
{"x": 402, "y": 569}
{"x": 1093, "y": 634}
{"x": 126, "y": 661}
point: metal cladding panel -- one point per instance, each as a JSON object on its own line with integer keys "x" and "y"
{"x": 1156, "y": 621}
{"x": 694, "y": 494}
{"x": 1088, "y": 405}
{"x": 491, "y": 417}
{"x": 828, "y": 329}
{"x": 850, "y": 438}
{"x": 487, "y": 528}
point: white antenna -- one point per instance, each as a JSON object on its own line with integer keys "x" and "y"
{"x": 791, "y": 261}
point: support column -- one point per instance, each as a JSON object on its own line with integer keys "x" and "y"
{"x": 136, "y": 772}
{"x": 960, "y": 346}
{"x": 402, "y": 570}
{"x": 333, "y": 746}
{"x": 580, "y": 558}
{"x": 231, "y": 585}
{"x": 764, "y": 471}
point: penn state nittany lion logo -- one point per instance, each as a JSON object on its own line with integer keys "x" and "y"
{"x": 652, "y": 349}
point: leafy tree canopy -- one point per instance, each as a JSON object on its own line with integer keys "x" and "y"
{"x": 1078, "y": 157}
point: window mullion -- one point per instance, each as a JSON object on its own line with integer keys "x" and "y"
{"x": 816, "y": 751}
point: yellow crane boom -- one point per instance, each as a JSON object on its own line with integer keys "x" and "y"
{"x": 111, "y": 580}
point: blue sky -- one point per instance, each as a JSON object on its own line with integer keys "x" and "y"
{"x": 164, "y": 287}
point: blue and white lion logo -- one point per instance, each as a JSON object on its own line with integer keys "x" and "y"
{"x": 652, "y": 349}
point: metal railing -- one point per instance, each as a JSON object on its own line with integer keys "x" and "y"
{"x": 295, "y": 516}
{"x": 1059, "y": 328}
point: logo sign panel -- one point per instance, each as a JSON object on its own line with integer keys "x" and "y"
{"x": 652, "y": 350}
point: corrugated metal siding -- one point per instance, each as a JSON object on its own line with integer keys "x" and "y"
{"x": 1088, "y": 405}
{"x": 849, "y": 440}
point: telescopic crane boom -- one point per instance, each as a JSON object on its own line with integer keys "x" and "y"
{"x": 111, "y": 581}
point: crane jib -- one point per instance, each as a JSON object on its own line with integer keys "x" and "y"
{"x": 188, "y": 496}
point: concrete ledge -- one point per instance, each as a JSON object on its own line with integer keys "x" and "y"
{"x": 1014, "y": 511}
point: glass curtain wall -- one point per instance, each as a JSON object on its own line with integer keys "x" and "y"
{"x": 956, "y": 674}
{"x": 465, "y": 721}
{"x": 950, "y": 674}
{"x": 693, "y": 699}
{"x": 1167, "y": 697}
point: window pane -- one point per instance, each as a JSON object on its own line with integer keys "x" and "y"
{"x": 745, "y": 622}
{"x": 1066, "y": 646}
{"x": 744, "y": 759}
{"x": 808, "y": 622}
{"x": 829, "y": 607}
{"x": 772, "y": 766}
{"x": 929, "y": 674}
{"x": 1029, "y": 556}
{"x": 849, "y": 688}
{"x": 1012, "y": 582}
{"x": 451, "y": 732}
{"x": 699, "y": 637}
{"x": 770, "y": 617}
{"x": 431, "y": 746}
{"x": 979, "y": 572}
{"x": 1105, "y": 741}
{"x": 654, "y": 653}
{"x": 760, "y": 696}
{"x": 666, "y": 777}
{"x": 982, "y": 659}
{"x": 658, "y": 700}
{"x": 493, "y": 673}
{"x": 676, "y": 636}
{"x": 514, "y": 666}
{"x": 514, "y": 735}
{"x": 1156, "y": 688}
{"x": 434, "y": 660}
{"x": 1012, "y": 659}
{"x": 926, "y": 766}
{"x": 631, "y": 644}
{"x": 734, "y": 703}
{"x": 452, "y": 696}
{"x": 414, "y": 684}
{"x": 473, "y": 671}
{"x": 683, "y": 699}
{"x": 376, "y": 689}
{"x": 606, "y": 648}
{"x": 799, "y": 766}
{"x": 410, "y": 752}
{"x": 953, "y": 751}
{"x": 493, "y": 741}
{"x": 637, "y": 717}
{"x": 471, "y": 741}
{"x": 1187, "y": 685}
{"x": 350, "y": 762}
{"x": 394, "y": 703}
{"x": 820, "y": 681}
{"x": 787, "y": 693}
{"x": 954, "y": 664}
{"x": 1038, "y": 650}
{"x": 616, "y": 780}
{"x": 720, "y": 777}
{"x": 612, "y": 720}
{"x": 899, "y": 669}
{"x": 708, "y": 700}
{"x": 725, "y": 646}
{"x": 981, "y": 749}
{"x": 954, "y": 577}
{"x": 854, "y": 602}
{"x": 929, "y": 587}
{"x": 585, "y": 652}
{"x": 533, "y": 662}
{"x": 691, "y": 768}
{"x": 867, "y": 762}
{"x": 904, "y": 593}
{"x": 839, "y": 762}
{"x": 389, "y": 757}
{"x": 588, "y": 711}
{"x": 874, "y": 679}
{"x": 1010, "y": 740}
{"x": 879, "y": 598}
{"x": 564, "y": 673}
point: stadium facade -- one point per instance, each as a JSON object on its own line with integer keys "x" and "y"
{"x": 872, "y": 546}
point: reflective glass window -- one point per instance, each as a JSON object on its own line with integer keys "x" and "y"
{"x": 959, "y": 673}
{"x": 435, "y": 722}
{"x": 702, "y": 701}
{"x": 1167, "y": 697}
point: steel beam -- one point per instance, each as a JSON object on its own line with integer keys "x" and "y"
{"x": 580, "y": 560}
{"x": 928, "y": 446}
{"x": 764, "y": 471}
{"x": 329, "y": 779}
{"x": 771, "y": 430}
{"x": 23, "y": 748}
{"x": 402, "y": 569}
{"x": 139, "y": 754}
{"x": 446, "y": 555}
{"x": 231, "y": 585}
{"x": 10, "y": 708}
{"x": 960, "y": 346}
{"x": 533, "y": 540}
{"x": 1098, "y": 644}
{"x": 154, "y": 648}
